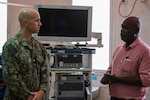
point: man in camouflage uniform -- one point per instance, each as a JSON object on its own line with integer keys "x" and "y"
{"x": 25, "y": 61}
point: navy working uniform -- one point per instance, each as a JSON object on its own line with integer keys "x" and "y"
{"x": 25, "y": 67}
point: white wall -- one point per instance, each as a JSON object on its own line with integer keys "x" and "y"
{"x": 3, "y": 24}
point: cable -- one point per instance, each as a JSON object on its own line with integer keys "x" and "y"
{"x": 124, "y": 16}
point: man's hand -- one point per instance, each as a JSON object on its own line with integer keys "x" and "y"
{"x": 108, "y": 79}
{"x": 112, "y": 78}
{"x": 30, "y": 97}
{"x": 105, "y": 80}
{"x": 37, "y": 95}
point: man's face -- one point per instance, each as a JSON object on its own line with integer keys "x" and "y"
{"x": 34, "y": 24}
{"x": 127, "y": 32}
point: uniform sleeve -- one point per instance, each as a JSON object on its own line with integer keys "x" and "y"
{"x": 11, "y": 75}
{"x": 45, "y": 71}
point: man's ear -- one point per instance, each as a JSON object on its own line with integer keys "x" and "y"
{"x": 25, "y": 22}
{"x": 136, "y": 31}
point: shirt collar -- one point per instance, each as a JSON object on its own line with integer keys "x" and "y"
{"x": 133, "y": 44}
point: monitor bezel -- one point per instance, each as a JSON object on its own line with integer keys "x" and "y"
{"x": 67, "y": 39}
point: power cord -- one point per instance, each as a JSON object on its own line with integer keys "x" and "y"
{"x": 124, "y": 16}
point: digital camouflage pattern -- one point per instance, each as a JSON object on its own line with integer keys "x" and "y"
{"x": 25, "y": 67}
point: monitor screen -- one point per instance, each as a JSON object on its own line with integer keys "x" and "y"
{"x": 64, "y": 23}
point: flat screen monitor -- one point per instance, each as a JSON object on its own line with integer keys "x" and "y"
{"x": 64, "y": 23}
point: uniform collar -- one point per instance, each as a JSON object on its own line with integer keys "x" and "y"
{"x": 23, "y": 41}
